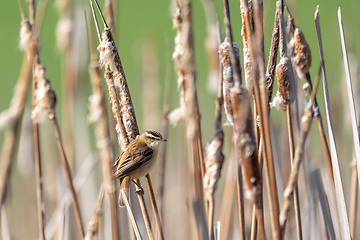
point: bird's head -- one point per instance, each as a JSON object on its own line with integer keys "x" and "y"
{"x": 152, "y": 138}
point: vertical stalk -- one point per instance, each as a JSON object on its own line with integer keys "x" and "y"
{"x": 68, "y": 176}
{"x": 39, "y": 195}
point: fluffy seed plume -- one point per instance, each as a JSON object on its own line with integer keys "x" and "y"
{"x": 214, "y": 160}
{"x": 109, "y": 57}
{"x": 285, "y": 93}
{"x": 44, "y": 98}
{"x": 299, "y": 50}
{"x": 228, "y": 77}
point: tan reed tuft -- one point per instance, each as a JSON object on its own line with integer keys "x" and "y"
{"x": 109, "y": 56}
{"x": 228, "y": 77}
{"x": 286, "y": 89}
{"x": 299, "y": 49}
{"x": 44, "y": 99}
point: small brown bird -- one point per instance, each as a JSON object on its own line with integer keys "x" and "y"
{"x": 139, "y": 157}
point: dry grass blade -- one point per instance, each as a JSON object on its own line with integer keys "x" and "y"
{"x": 68, "y": 177}
{"x": 315, "y": 177}
{"x": 64, "y": 204}
{"x": 133, "y": 222}
{"x": 93, "y": 226}
{"x": 235, "y": 62}
{"x": 340, "y": 199}
{"x": 350, "y": 96}
{"x": 318, "y": 115}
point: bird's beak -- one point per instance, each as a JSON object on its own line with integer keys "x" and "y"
{"x": 163, "y": 139}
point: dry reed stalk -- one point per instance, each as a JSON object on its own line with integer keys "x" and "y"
{"x": 318, "y": 186}
{"x": 68, "y": 176}
{"x": 247, "y": 151}
{"x": 64, "y": 204}
{"x": 354, "y": 190}
{"x": 270, "y": 72}
{"x": 245, "y": 32}
{"x": 232, "y": 79}
{"x": 36, "y": 101}
{"x": 110, "y": 15}
{"x": 227, "y": 210}
{"x": 353, "y": 201}
{"x": 340, "y": 199}
{"x": 165, "y": 129}
{"x": 318, "y": 115}
{"x": 39, "y": 181}
{"x": 285, "y": 95}
{"x": 296, "y": 190}
{"x": 262, "y": 105}
{"x": 211, "y": 45}
{"x": 301, "y": 58}
{"x": 44, "y": 103}
{"x": 65, "y": 43}
{"x": 306, "y": 121}
{"x": 193, "y": 131}
{"x": 143, "y": 208}
{"x": 179, "y": 113}
{"x": 133, "y": 222}
{"x": 269, "y": 76}
{"x": 17, "y": 106}
{"x": 99, "y": 116}
{"x": 93, "y": 226}
{"x": 214, "y": 158}
{"x": 109, "y": 57}
{"x": 350, "y": 95}
{"x": 154, "y": 205}
{"x": 13, "y": 115}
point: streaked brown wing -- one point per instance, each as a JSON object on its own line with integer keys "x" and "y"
{"x": 131, "y": 163}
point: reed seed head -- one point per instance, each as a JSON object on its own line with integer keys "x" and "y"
{"x": 214, "y": 160}
{"x": 228, "y": 77}
{"x": 286, "y": 88}
{"x": 44, "y": 98}
{"x": 300, "y": 53}
{"x": 25, "y": 34}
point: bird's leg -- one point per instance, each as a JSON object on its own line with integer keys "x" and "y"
{"x": 140, "y": 189}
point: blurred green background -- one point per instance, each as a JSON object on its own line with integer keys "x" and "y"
{"x": 140, "y": 22}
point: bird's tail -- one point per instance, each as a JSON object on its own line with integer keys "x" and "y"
{"x": 124, "y": 185}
